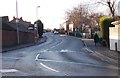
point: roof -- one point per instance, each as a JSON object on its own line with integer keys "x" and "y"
{"x": 115, "y": 22}
{"x": 13, "y": 26}
{"x": 5, "y": 19}
{"x": 6, "y": 25}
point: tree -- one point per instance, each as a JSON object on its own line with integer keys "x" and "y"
{"x": 95, "y": 17}
{"x": 81, "y": 16}
{"x": 40, "y": 27}
{"x": 110, "y": 4}
{"x": 78, "y": 15}
{"x": 95, "y": 21}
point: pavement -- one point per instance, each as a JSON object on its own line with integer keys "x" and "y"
{"x": 41, "y": 40}
{"x": 101, "y": 52}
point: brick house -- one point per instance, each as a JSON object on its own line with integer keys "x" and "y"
{"x": 28, "y": 25}
{"x": 9, "y": 33}
{"x": 21, "y": 21}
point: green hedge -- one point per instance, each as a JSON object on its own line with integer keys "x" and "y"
{"x": 105, "y": 23}
{"x": 77, "y": 34}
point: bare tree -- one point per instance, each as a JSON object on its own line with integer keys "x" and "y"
{"x": 82, "y": 16}
{"x": 78, "y": 15}
{"x": 110, "y": 4}
{"x": 95, "y": 17}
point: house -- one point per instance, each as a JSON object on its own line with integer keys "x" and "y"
{"x": 68, "y": 26}
{"x": 115, "y": 36}
{"x": 9, "y": 33}
{"x": 21, "y": 21}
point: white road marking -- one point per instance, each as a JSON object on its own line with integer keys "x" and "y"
{"x": 8, "y": 70}
{"x": 36, "y": 58}
{"x": 61, "y": 51}
{"x": 52, "y": 46}
{"x": 48, "y": 67}
{"x": 84, "y": 64}
{"x": 67, "y": 51}
{"x": 89, "y": 50}
{"x": 56, "y": 44}
{"x": 46, "y": 51}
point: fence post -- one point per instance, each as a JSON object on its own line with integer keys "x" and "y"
{"x": 116, "y": 46}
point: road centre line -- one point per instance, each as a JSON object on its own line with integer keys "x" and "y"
{"x": 57, "y": 44}
{"x": 54, "y": 46}
{"x": 48, "y": 67}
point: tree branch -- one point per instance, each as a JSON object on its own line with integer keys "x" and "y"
{"x": 102, "y": 3}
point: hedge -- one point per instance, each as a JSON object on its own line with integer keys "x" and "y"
{"x": 105, "y": 23}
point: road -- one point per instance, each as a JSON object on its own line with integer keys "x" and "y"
{"x": 60, "y": 55}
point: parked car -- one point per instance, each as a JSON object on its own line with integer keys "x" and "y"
{"x": 56, "y": 32}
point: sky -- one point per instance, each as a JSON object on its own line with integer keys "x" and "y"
{"x": 51, "y": 12}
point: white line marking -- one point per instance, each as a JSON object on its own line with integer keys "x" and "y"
{"x": 61, "y": 51}
{"x": 48, "y": 67}
{"x": 84, "y": 64}
{"x": 52, "y": 46}
{"x": 89, "y": 50}
{"x": 36, "y": 58}
{"x": 57, "y": 44}
{"x": 8, "y": 70}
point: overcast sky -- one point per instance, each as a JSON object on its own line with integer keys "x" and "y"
{"x": 51, "y": 12}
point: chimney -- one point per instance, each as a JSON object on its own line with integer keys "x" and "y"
{"x": 21, "y": 19}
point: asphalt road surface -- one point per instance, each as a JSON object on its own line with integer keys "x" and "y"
{"x": 60, "y": 55}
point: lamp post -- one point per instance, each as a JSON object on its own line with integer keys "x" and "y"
{"x": 119, "y": 8}
{"x": 17, "y": 21}
{"x": 35, "y": 26}
{"x": 37, "y": 12}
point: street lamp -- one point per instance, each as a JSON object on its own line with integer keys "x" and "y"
{"x": 119, "y": 8}
{"x": 17, "y": 21}
{"x": 35, "y": 26}
{"x": 37, "y": 12}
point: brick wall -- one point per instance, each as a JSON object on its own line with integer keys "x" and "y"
{"x": 9, "y": 38}
{"x": 26, "y": 37}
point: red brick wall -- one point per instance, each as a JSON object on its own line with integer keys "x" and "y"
{"x": 26, "y": 37}
{"x": 9, "y": 38}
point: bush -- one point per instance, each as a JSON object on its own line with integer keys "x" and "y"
{"x": 40, "y": 27}
{"x": 77, "y": 34}
{"x": 102, "y": 42}
{"x": 71, "y": 33}
{"x": 105, "y": 23}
